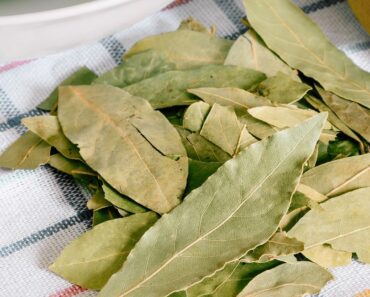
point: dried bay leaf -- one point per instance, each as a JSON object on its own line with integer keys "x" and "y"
{"x": 198, "y": 173}
{"x": 28, "y": 152}
{"x": 237, "y": 98}
{"x": 256, "y": 127}
{"x": 222, "y": 128}
{"x": 115, "y": 129}
{"x": 327, "y": 257}
{"x": 284, "y": 28}
{"x": 278, "y": 245}
{"x": 227, "y": 282}
{"x": 195, "y": 115}
{"x": 170, "y": 88}
{"x": 200, "y": 228}
{"x": 48, "y": 128}
{"x": 105, "y": 214}
{"x": 199, "y": 148}
{"x": 194, "y": 25}
{"x": 285, "y": 280}
{"x": 339, "y": 176}
{"x": 97, "y": 201}
{"x": 136, "y": 68}
{"x": 91, "y": 259}
{"x": 83, "y": 76}
{"x": 68, "y": 166}
{"x": 185, "y": 48}
{"x": 282, "y": 89}
{"x": 352, "y": 114}
{"x": 120, "y": 201}
{"x": 250, "y": 51}
{"x": 344, "y": 224}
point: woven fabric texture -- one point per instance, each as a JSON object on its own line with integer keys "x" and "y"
{"x": 42, "y": 210}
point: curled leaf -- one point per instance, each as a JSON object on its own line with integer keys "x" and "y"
{"x": 195, "y": 116}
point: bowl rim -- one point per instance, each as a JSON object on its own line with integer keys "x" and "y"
{"x": 60, "y": 13}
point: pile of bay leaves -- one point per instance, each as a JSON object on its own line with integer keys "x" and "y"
{"x": 218, "y": 168}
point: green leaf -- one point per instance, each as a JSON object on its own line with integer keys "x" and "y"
{"x": 228, "y": 281}
{"x": 136, "y": 68}
{"x": 222, "y": 128}
{"x": 339, "y": 176}
{"x": 250, "y": 51}
{"x": 332, "y": 117}
{"x": 48, "y": 128}
{"x": 327, "y": 257}
{"x": 68, "y": 166}
{"x": 83, "y": 76}
{"x": 282, "y": 89}
{"x": 105, "y": 214}
{"x": 199, "y": 172}
{"x": 288, "y": 280}
{"x": 170, "y": 88}
{"x": 199, "y": 148}
{"x": 278, "y": 245}
{"x": 344, "y": 224}
{"x": 237, "y": 98}
{"x": 97, "y": 201}
{"x": 195, "y": 115}
{"x": 352, "y": 114}
{"x": 185, "y": 48}
{"x": 127, "y": 143}
{"x": 285, "y": 27}
{"x": 215, "y": 223}
{"x": 91, "y": 259}
{"x": 121, "y": 201}
{"x": 28, "y": 152}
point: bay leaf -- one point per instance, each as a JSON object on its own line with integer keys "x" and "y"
{"x": 339, "y": 176}
{"x": 199, "y": 172}
{"x": 332, "y": 117}
{"x": 195, "y": 115}
{"x": 311, "y": 193}
{"x": 97, "y": 201}
{"x": 120, "y": 201}
{"x": 91, "y": 259}
{"x": 278, "y": 245}
{"x": 284, "y": 28}
{"x": 288, "y": 280}
{"x": 186, "y": 48}
{"x": 68, "y": 166}
{"x": 28, "y": 152}
{"x": 199, "y": 148}
{"x": 327, "y": 257}
{"x": 361, "y": 10}
{"x": 245, "y": 140}
{"x": 341, "y": 148}
{"x": 82, "y": 76}
{"x": 344, "y": 224}
{"x": 215, "y": 223}
{"x": 228, "y": 281}
{"x": 194, "y": 25}
{"x": 282, "y": 89}
{"x": 237, "y": 98}
{"x": 222, "y": 128}
{"x": 114, "y": 129}
{"x": 170, "y": 88}
{"x": 250, "y": 51}
{"x": 256, "y": 127}
{"x": 352, "y": 114}
{"x": 48, "y": 128}
{"x": 136, "y": 68}
{"x": 105, "y": 214}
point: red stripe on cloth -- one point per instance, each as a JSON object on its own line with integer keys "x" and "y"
{"x": 69, "y": 292}
{"x": 176, "y": 3}
{"x": 13, "y": 65}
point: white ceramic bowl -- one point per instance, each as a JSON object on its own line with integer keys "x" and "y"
{"x": 39, "y": 30}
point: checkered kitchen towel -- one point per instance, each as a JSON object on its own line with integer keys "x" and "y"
{"x": 42, "y": 210}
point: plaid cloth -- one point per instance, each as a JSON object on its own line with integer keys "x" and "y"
{"x": 42, "y": 210}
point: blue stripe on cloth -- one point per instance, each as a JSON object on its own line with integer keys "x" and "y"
{"x": 232, "y": 12}
{"x": 45, "y": 233}
{"x": 320, "y": 5}
{"x": 15, "y": 121}
{"x": 8, "y": 109}
{"x": 114, "y": 48}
